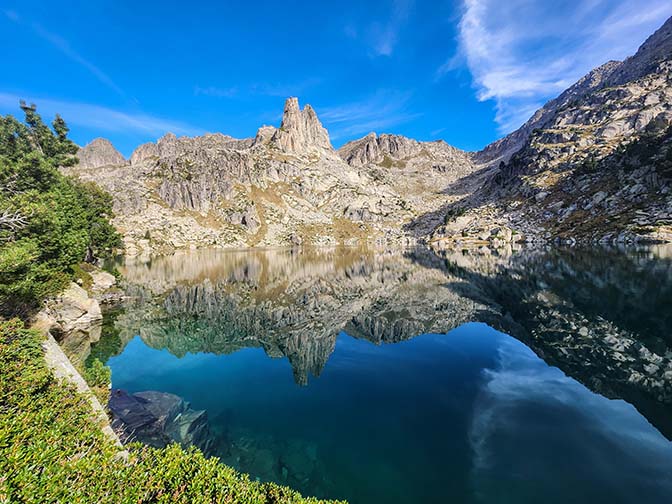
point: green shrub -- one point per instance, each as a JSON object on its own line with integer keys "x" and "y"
{"x": 97, "y": 374}
{"x": 51, "y": 450}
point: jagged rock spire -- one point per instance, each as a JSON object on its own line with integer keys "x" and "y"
{"x": 99, "y": 152}
{"x": 301, "y": 130}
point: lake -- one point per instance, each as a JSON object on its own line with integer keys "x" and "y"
{"x": 404, "y": 376}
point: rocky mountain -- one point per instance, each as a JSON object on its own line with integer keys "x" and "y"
{"x": 99, "y": 152}
{"x": 595, "y": 164}
{"x": 592, "y": 165}
{"x": 399, "y": 151}
{"x": 285, "y": 186}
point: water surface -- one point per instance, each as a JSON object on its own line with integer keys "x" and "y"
{"x": 405, "y": 377}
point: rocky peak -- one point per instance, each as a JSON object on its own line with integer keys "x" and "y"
{"x": 264, "y": 135}
{"x": 396, "y": 150}
{"x": 504, "y": 148}
{"x": 656, "y": 50}
{"x": 301, "y": 130}
{"x": 145, "y": 151}
{"x": 373, "y": 149}
{"x": 99, "y": 152}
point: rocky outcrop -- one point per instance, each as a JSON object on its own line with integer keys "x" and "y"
{"x": 594, "y": 165}
{"x": 300, "y": 131}
{"x": 74, "y": 317}
{"x": 98, "y": 153}
{"x": 144, "y": 152}
{"x": 389, "y": 150}
{"x": 75, "y": 321}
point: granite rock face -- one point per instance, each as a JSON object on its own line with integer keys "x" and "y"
{"x": 300, "y": 130}
{"x": 75, "y": 320}
{"x": 285, "y": 186}
{"x": 593, "y": 165}
{"x": 99, "y": 152}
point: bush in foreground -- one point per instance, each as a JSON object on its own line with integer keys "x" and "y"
{"x": 52, "y": 451}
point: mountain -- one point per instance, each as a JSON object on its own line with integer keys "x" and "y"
{"x": 592, "y": 165}
{"x": 99, "y": 152}
{"x": 595, "y": 164}
{"x": 287, "y": 185}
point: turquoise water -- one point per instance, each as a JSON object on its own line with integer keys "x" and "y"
{"x": 328, "y": 374}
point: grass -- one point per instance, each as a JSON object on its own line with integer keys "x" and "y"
{"x": 51, "y": 449}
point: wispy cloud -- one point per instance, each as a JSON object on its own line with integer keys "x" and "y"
{"x": 521, "y": 52}
{"x": 284, "y": 89}
{"x": 382, "y": 35}
{"x": 216, "y": 92}
{"x": 384, "y": 109}
{"x": 64, "y": 47}
{"x": 100, "y": 118}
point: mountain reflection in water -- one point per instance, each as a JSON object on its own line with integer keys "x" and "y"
{"x": 434, "y": 417}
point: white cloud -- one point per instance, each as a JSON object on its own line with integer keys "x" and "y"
{"x": 95, "y": 116}
{"x": 382, "y": 110}
{"x": 523, "y": 52}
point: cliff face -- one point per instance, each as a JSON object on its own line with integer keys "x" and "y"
{"x": 285, "y": 186}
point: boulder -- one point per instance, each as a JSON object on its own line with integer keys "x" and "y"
{"x": 75, "y": 320}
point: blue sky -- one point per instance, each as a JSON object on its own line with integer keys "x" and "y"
{"x": 466, "y": 71}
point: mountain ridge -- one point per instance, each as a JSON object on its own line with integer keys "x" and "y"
{"x": 565, "y": 174}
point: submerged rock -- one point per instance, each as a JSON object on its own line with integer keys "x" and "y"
{"x": 158, "y": 419}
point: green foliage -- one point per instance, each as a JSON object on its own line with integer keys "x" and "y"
{"x": 99, "y": 378}
{"x": 98, "y": 374}
{"x": 59, "y": 222}
{"x": 51, "y": 450}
